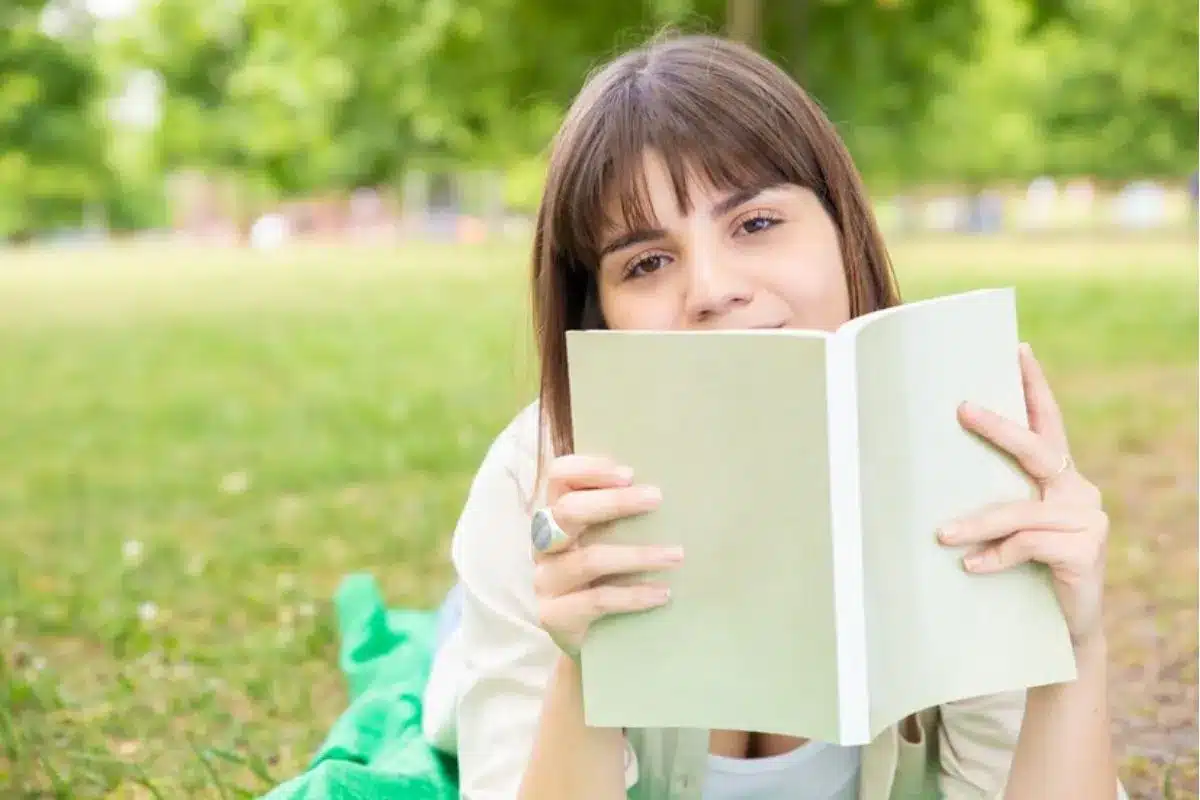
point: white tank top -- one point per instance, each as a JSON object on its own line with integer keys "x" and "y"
{"x": 813, "y": 771}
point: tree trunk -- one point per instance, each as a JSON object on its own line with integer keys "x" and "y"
{"x": 742, "y": 20}
{"x": 798, "y": 24}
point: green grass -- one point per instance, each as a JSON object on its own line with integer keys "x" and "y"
{"x": 195, "y": 447}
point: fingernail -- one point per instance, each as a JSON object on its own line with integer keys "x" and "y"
{"x": 947, "y": 534}
{"x": 652, "y": 493}
{"x": 625, "y": 474}
{"x": 672, "y": 554}
{"x": 658, "y": 594}
{"x": 1028, "y": 348}
{"x": 974, "y": 561}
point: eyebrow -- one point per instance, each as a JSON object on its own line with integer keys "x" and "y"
{"x": 649, "y": 234}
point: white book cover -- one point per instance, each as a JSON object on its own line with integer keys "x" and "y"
{"x": 805, "y": 474}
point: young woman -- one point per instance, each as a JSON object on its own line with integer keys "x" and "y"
{"x": 694, "y": 185}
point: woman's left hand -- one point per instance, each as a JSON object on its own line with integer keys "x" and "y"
{"x": 1065, "y": 528}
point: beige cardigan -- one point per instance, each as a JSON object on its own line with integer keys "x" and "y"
{"x": 484, "y": 695}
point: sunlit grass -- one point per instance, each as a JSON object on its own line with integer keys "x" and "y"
{"x": 197, "y": 445}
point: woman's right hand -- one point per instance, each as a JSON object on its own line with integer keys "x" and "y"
{"x": 573, "y": 584}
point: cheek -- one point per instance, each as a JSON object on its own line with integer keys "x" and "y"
{"x": 631, "y": 310}
{"x": 812, "y": 281}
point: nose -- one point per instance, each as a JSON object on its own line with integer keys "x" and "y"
{"x": 714, "y": 288}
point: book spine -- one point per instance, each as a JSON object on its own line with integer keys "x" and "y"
{"x": 846, "y": 514}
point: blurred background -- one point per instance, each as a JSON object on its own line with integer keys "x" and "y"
{"x": 262, "y": 310}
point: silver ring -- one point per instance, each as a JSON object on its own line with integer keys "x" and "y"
{"x": 547, "y": 535}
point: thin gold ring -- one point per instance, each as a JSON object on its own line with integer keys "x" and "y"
{"x": 1067, "y": 463}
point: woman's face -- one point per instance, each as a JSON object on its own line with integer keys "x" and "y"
{"x": 767, "y": 259}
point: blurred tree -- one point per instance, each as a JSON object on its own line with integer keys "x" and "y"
{"x": 984, "y": 125}
{"x": 334, "y": 93}
{"x": 1108, "y": 91}
{"x": 872, "y": 65}
{"x": 1123, "y": 90}
{"x": 875, "y": 66}
{"x": 194, "y": 50}
{"x": 306, "y": 94}
{"x": 52, "y": 166}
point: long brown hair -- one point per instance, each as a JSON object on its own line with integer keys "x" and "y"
{"x": 706, "y": 105}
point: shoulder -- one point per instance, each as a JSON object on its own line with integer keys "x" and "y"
{"x": 993, "y": 719}
{"x": 484, "y": 694}
{"x": 514, "y": 451}
{"x": 493, "y": 526}
{"x": 962, "y": 749}
{"x": 976, "y": 742}
{"x": 522, "y": 438}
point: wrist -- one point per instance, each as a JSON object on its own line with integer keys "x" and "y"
{"x": 1091, "y": 650}
{"x": 567, "y": 668}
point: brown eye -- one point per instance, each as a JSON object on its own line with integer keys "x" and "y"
{"x": 645, "y": 266}
{"x": 758, "y": 223}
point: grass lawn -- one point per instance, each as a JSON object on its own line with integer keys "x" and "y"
{"x": 195, "y": 446}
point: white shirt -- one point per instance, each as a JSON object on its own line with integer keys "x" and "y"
{"x": 484, "y": 697}
{"x": 813, "y": 771}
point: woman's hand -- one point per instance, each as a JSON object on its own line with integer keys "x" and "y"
{"x": 1066, "y": 528}
{"x": 572, "y": 584}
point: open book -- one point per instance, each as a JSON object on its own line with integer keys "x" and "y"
{"x": 805, "y": 475}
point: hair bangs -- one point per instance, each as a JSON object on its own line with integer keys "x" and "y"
{"x": 697, "y": 143}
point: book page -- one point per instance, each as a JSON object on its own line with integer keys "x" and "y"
{"x": 935, "y": 632}
{"x": 731, "y": 426}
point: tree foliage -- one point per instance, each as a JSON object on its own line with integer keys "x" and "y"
{"x": 299, "y": 96}
{"x": 52, "y": 163}
{"x": 1122, "y": 95}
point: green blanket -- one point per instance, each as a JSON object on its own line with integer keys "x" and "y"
{"x": 375, "y": 749}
